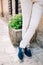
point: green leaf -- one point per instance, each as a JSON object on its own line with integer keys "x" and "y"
{"x": 16, "y": 21}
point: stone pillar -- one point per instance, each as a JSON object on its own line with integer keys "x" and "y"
{"x": 19, "y": 7}
{"x": 10, "y": 6}
{"x": 2, "y": 8}
{"x": 13, "y": 7}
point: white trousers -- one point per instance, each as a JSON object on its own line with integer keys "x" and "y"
{"x": 31, "y": 17}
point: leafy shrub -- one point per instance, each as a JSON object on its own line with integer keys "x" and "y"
{"x": 16, "y": 21}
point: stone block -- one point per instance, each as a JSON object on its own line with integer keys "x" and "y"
{"x": 15, "y": 36}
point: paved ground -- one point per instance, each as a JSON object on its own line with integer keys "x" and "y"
{"x": 8, "y": 54}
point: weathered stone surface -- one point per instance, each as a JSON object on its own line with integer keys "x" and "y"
{"x": 40, "y": 34}
{"x": 15, "y": 36}
{"x": 8, "y": 53}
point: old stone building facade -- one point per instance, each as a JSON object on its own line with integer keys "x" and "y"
{"x": 4, "y": 7}
{"x": 9, "y": 7}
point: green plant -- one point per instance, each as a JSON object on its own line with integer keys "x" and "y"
{"x": 16, "y": 21}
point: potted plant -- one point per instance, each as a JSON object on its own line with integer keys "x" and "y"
{"x": 15, "y": 29}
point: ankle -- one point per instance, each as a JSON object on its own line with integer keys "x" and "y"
{"x": 21, "y": 49}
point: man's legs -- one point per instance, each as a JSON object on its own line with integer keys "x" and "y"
{"x": 26, "y": 6}
{"x": 35, "y": 19}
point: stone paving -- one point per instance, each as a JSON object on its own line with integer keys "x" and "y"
{"x": 8, "y": 53}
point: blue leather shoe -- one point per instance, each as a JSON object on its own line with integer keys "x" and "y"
{"x": 27, "y": 52}
{"x": 21, "y": 53}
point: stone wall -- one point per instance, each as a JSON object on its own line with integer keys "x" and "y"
{"x": 0, "y": 7}
{"x": 19, "y": 7}
{"x": 5, "y": 7}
